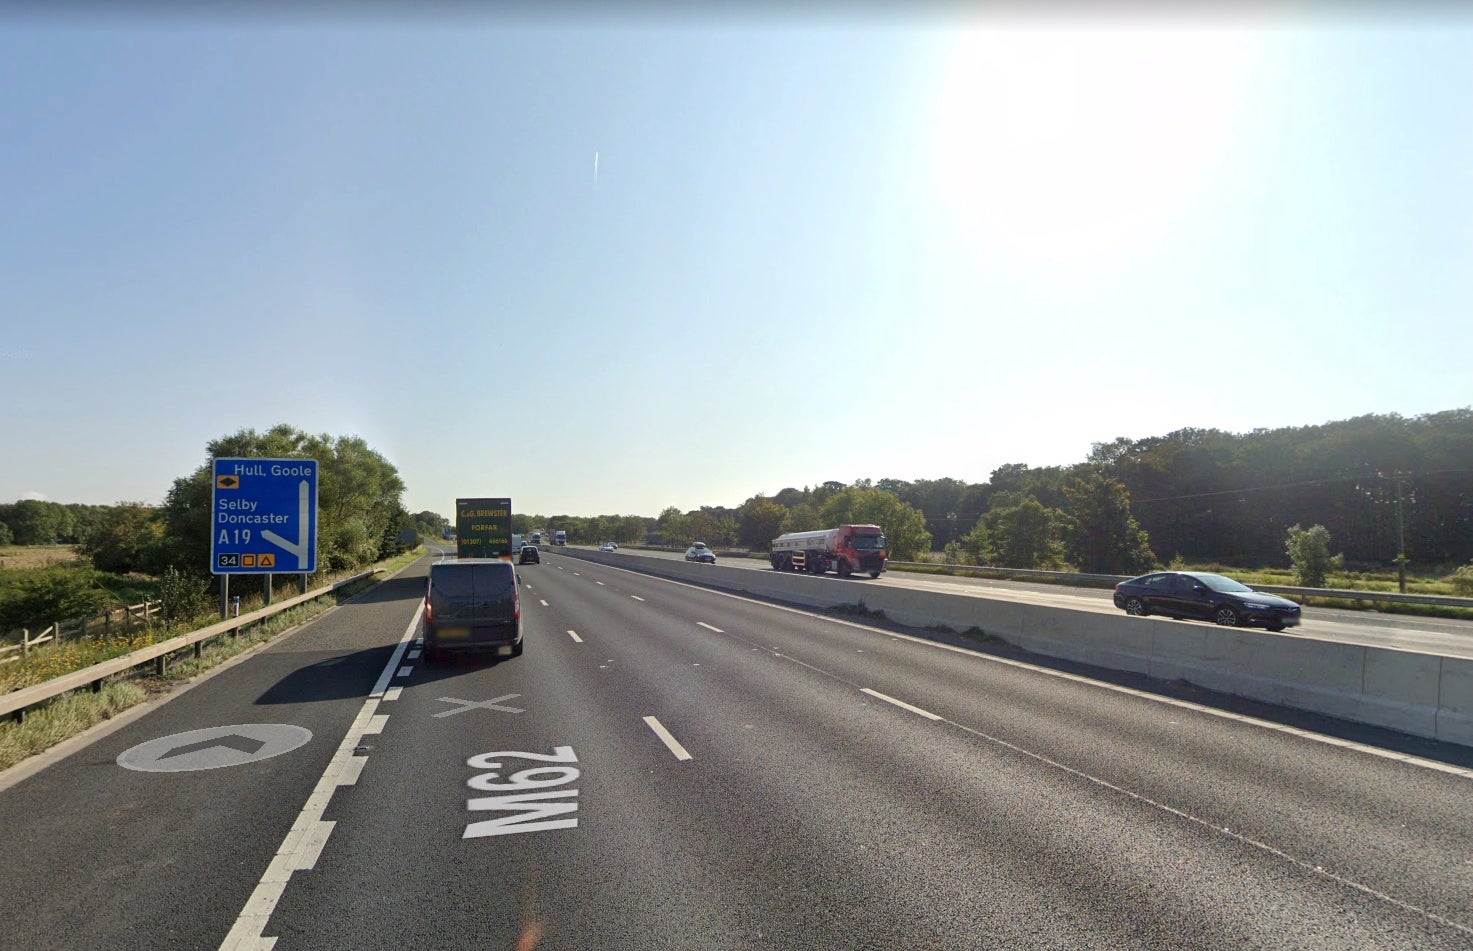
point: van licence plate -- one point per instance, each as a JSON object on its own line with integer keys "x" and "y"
{"x": 452, "y": 633}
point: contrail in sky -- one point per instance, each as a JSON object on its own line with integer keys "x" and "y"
{"x": 595, "y": 166}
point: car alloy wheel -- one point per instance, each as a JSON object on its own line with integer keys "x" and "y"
{"x": 1135, "y": 606}
{"x": 1225, "y": 616}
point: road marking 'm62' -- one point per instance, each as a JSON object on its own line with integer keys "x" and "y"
{"x": 529, "y": 811}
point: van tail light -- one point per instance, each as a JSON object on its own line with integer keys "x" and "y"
{"x": 429, "y": 611}
{"x": 516, "y": 612}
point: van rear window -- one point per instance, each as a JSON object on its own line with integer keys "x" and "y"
{"x": 491, "y": 582}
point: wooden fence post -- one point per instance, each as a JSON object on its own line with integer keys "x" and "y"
{"x": 25, "y": 642}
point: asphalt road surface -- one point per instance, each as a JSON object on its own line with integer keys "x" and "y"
{"x": 671, "y": 767}
{"x": 1444, "y": 636}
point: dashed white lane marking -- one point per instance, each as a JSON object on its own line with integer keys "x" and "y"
{"x": 900, "y": 703}
{"x": 414, "y": 654}
{"x": 1367, "y": 749}
{"x": 542, "y": 602}
{"x": 392, "y": 694}
{"x": 636, "y": 597}
{"x": 666, "y": 738}
{"x": 575, "y": 637}
{"x": 710, "y": 627}
{"x": 303, "y": 844}
{"x": 599, "y": 583}
{"x": 404, "y": 671}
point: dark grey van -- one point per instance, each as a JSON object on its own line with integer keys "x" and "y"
{"x": 472, "y": 605}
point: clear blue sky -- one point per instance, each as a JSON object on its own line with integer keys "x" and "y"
{"x": 814, "y": 248}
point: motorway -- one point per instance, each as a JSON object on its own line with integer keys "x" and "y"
{"x": 1443, "y": 636}
{"x": 673, "y": 767}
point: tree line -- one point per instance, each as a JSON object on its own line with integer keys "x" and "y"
{"x": 1375, "y": 483}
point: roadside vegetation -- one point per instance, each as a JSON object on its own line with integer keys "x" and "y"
{"x": 73, "y": 713}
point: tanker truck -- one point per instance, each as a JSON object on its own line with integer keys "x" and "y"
{"x": 847, "y": 549}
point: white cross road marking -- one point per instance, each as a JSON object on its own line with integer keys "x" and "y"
{"x": 575, "y": 637}
{"x": 670, "y": 742}
{"x": 900, "y": 703}
{"x": 491, "y": 704}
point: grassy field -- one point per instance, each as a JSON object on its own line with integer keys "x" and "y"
{"x": 70, "y": 714}
{"x": 36, "y": 556}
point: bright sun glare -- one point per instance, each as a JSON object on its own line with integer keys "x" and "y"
{"x": 1079, "y": 146}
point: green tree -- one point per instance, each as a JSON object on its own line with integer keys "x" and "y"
{"x": 38, "y": 597}
{"x": 1026, "y": 535}
{"x": 802, "y": 517}
{"x": 977, "y": 544}
{"x": 904, "y": 525}
{"x": 710, "y": 526}
{"x": 34, "y": 522}
{"x": 1309, "y": 553}
{"x": 759, "y": 521}
{"x": 430, "y": 524}
{"x": 358, "y": 494}
{"x": 1105, "y": 538}
{"x": 126, "y": 538}
{"x": 673, "y": 529}
{"x": 183, "y": 595}
{"x": 6, "y": 537}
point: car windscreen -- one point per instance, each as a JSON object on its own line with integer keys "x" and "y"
{"x": 1225, "y": 585}
{"x": 869, "y": 542}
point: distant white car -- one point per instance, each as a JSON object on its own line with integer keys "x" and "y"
{"x": 699, "y": 552}
{"x": 607, "y": 546}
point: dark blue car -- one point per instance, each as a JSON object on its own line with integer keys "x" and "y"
{"x": 1205, "y": 596}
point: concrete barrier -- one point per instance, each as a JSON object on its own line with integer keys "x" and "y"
{"x": 1420, "y": 694}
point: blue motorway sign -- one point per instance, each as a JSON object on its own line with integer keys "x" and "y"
{"x": 263, "y": 516}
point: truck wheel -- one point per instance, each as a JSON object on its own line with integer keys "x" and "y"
{"x": 843, "y": 569}
{"x": 874, "y": 574}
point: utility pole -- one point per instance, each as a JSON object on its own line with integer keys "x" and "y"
{"x": 1401, "y": 543}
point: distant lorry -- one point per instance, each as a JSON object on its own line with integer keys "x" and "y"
{"x": 848, "y": 549}
{"x": 483, "y": 529}
{"x": 536, "y": 538}
{"x": 560, "y": 537}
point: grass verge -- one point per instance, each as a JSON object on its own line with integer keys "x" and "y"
{"x": 74, "y": 713}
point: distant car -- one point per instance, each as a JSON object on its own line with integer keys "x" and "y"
{"x": 699, "y": 552}
{"x": 1205, "y": 596}
{"x": 608, "y": 546}
{"x": 530, "y": 555}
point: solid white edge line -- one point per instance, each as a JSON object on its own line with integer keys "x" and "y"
{"x": 900, "y": 703}
{"x": 574, "y": 636}
{"x": 303, "y": 843}
{"x": 710, "y": 627}
{"x": 1321, "y": 738}
{"x": 671, "y": 742}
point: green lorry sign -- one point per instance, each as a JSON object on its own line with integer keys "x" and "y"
{"x": 483, "y": 528}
